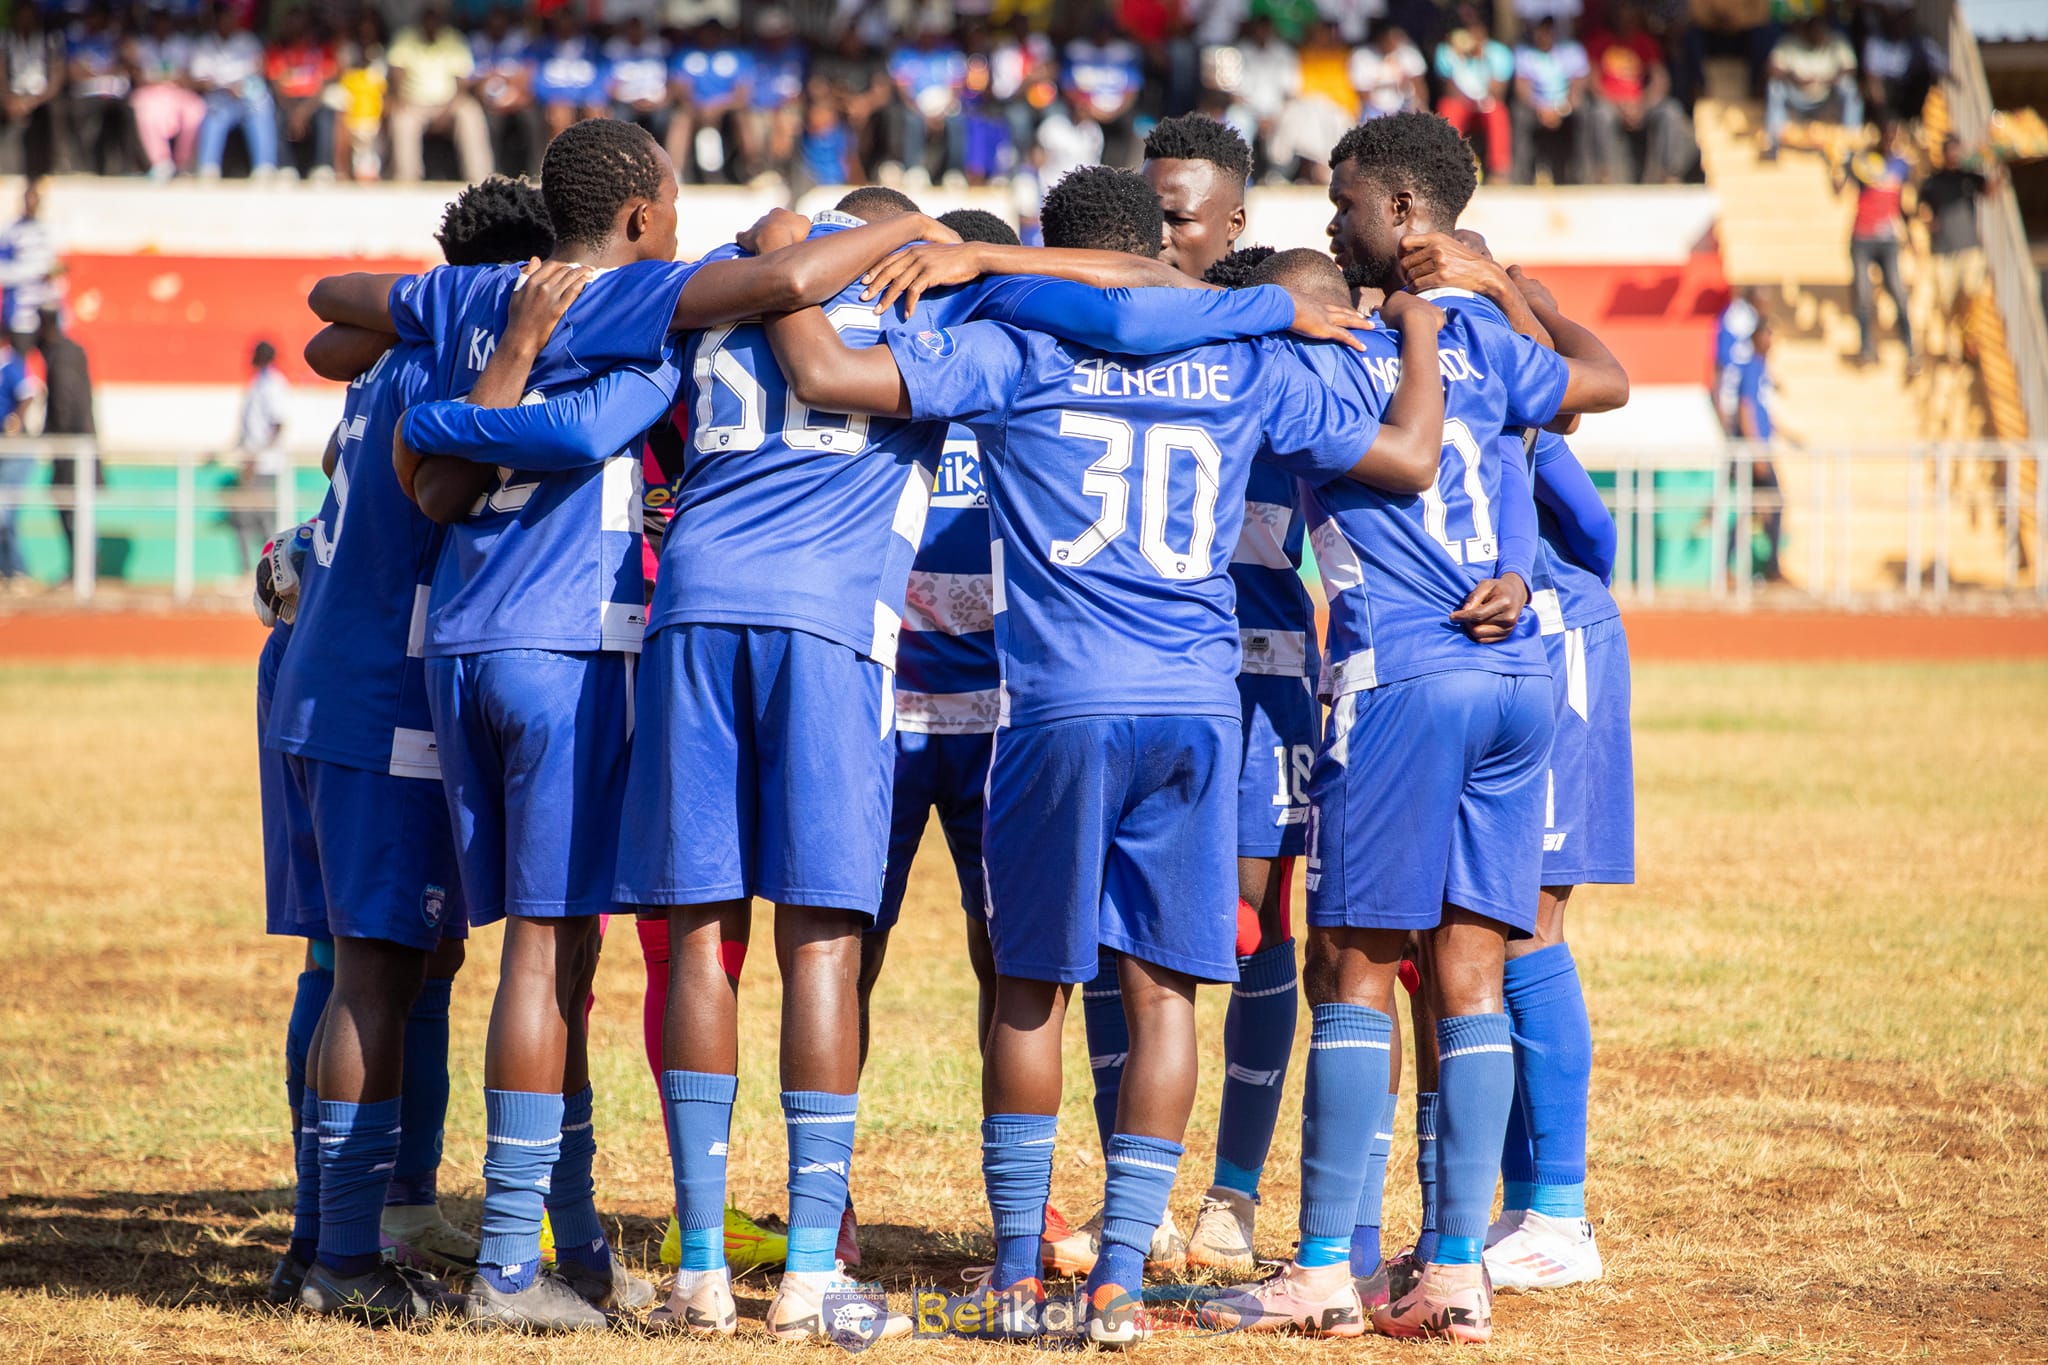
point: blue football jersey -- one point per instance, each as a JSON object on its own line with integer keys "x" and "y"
{"x": 1395, "y": 566}
{"x": 809, "y": 521}
{"x": 353, "y": 689}
{"x": 551, "y": 558}
{"x": 946, "y": 672}
{"x": 1276, "y": 621}
{"x": 1116, "y": 494}
{"x": 788, "y": 517}
{"x": 1569, "y": 593}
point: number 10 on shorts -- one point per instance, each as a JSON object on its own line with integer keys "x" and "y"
{"x": 1291, "y": 767}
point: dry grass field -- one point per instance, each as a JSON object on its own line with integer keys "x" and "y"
{"x": 1820, "y": 1106}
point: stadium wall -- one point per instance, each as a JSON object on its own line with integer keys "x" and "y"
{"x": 170, "y": 286}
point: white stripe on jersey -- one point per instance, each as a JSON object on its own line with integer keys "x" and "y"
{"x": 1344, "y": 676}
{"x": 1549, "y": 612}
{"x": 1275, "y": 653}
{"x": 416, "y": 633}
{"x": 949, "y": 603}
{"x": 882, "y": 649}
{"x": 413, "y": 754}
{"x": 1264, "y": 539}
{"x": 1336, "y": 562}
{"x": 949, "y": 713}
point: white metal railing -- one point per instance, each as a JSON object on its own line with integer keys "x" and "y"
{"x": 90, "y": 506}
{"x": 1923, "y": 520}
{"x": 1920, "y": 521}
{"x": 2015, "y": 281}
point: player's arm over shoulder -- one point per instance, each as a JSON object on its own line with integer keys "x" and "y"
{"x": 827, "y": 374}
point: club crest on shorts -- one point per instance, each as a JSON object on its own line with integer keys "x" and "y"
{"x": 939, "y": 342}
{"x": 433, "y": 905}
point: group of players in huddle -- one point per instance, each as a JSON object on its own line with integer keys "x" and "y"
{"x": 639, "y": 587}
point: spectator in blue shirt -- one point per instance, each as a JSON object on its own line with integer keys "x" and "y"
{"x": 1101, "y": 77}
{"x": 713, "y": 79}
{"x": 504, "y": 87}
{"x": 568, "y": 74}
{"x": 770, "y": 123}
{"x": 930, "y": 77}
{"x": 636, "y": 74}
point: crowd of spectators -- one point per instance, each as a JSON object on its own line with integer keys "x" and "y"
{"x": 823, "y": 91}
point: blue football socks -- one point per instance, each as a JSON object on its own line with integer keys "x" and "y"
{"x": 306, "y": 1206}
{"x": 820, "y": 1163}
{"x": 423, "y": 1107}
{"x": 1425, "y": 1173}
{"x": 1476, "y": 1081}
{"x": 1348, "y": 1054}
{"x": 1258, "y": 1037}
{"x": 1141, "y": 1172}
{"x": 1109, "y": 1041}
{"x": 358, "y": 1143}
{"x": 522, "y": 1138}
{"x": 309, "y": 1002}
{"x": 572, "y": 1194}
{"x": 1016, "y": 1167}
{"x": 1365, "y": 1231}
{"x": 698, "y": 1108}
{"x": 1553, "y": 1042}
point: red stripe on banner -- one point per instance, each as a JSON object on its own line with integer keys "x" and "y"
{"x": 194, "y": 319}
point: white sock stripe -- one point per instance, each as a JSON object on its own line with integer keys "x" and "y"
{"x": 520, "y": 1142}
{"x": 1382, "y": 1137}
{"x": 1474, "y": 1051}
{"x": 1243, "y": 994}
{"x": 1144, "y": 1165}
{"x": 1111, "y": 994}
{"x": 576, "y": 1127}
{"x": 802, "y": 1120}
{"x": 1376, "y": 1044}
{"x": 1425, "y": 1137}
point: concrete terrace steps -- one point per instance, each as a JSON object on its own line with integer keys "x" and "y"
{"x": 1783, "y": 226}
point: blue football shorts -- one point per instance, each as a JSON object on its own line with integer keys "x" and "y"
{"x": 762, "y": 768}
{"x": 1113, "y": 832}
{"x": 1589, "y": 829}
{"x": 386, "y": 853}
{"x": 1281, "y": 721}
{"x": 533, "y": 747}
{"x": 294, "y": 902}
{"x": 947, "y": 774}
{"x": 1427, "y": 792}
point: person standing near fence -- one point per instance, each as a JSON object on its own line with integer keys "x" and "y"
{"x": 1948, "y": 205}
{"x": 261, "y": 446}
{"x": 1880, "y": 177}
{"x": 67, "y": 411}
{"x": 1747, "y": 398}
{"x": 16, "y": 389}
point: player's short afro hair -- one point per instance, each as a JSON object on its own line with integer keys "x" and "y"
{"x": 591, "y": 170}
{"x": 1302, "y": 271}
{"x": 1235, "y": 270}
{"x": 1197, "y": 137}
{"x": 979, "y": 225}
{"x": 1102, "y": 208}
{"x": 496, "y": 219}
{"x": 876, "y": 203}
{"x": 1416, "y": 152}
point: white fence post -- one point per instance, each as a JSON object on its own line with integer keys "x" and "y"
{"x": 182, "y": 532}
{"x": 1944, "y": 468}
{"x": 85, "y": 531}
